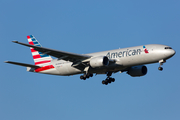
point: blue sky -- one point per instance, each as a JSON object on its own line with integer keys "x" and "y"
{"x": 83, "y": 26}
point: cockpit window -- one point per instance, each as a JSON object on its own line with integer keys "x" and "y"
{"x": 167, "y": 48}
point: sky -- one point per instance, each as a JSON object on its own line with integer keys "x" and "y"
{"x": 86, "y": 26}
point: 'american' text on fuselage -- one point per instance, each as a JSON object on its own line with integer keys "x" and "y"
{"x": 124, "y": 53}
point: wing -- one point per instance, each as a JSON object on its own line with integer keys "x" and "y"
{"x": 58, "y": 54}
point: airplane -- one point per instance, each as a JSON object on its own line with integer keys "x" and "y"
{"x": 130, "y": 60}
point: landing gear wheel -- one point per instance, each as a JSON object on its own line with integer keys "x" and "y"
{"x": 109, "y": 81}
{"x": 82, "y": 77}
{"x": 103, "y": 82}
{"x": 160, "y": 68}
{"x": 85, "y": 76}
{"x": 90, "y": 75}
{"x": 112, "y": 79}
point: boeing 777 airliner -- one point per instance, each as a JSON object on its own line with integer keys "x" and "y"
{"x": 130, "y": 60}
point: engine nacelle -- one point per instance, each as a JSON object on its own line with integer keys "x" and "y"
{"x": 137, "y": 71}
{"x": 99, "y": 61}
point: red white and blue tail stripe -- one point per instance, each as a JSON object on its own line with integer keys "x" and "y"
{"x": 40, "y": 59}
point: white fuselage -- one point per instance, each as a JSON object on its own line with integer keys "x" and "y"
{"x": 123, "y": 58}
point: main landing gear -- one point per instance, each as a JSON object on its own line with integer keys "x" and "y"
{"x": 83, "y": 77}
{"x": 108, "y": 79}
{"x": 161, "y": 63}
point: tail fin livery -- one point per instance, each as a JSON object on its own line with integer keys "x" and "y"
{"x": 40, "y": 59}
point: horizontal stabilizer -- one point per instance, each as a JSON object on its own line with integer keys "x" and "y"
{"x": 23, "y": 64}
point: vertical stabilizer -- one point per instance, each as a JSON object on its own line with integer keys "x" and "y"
{"x": 40, "y": 59}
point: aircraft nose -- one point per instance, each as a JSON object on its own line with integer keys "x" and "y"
{"x": 170, "y": 53}
{"x": 174, "y": 52}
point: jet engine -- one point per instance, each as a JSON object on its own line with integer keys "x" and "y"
{"x": 137, "y": 71}
{"x": 99, "y": 61}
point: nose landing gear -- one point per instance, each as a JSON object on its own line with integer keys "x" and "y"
{"x": 160, "y": 68}
{"x": 161, "y": 63}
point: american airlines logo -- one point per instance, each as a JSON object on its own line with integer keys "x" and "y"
{"x": 145, "y": 50}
